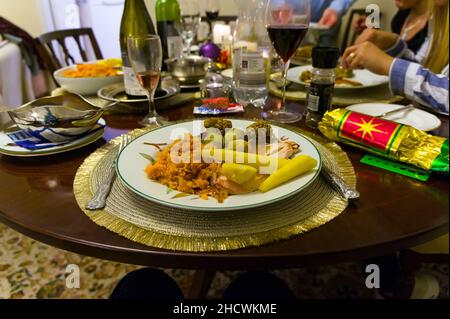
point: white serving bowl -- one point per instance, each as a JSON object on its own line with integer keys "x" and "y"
{"x": 84, "y": 86}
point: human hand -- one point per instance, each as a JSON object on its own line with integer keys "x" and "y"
{"x": 329, "y": 18}
{"x": 382, "y": 39}
{"x": 359, "y": 25}
{"x": 367, "y": 56}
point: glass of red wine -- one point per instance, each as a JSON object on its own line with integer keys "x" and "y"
{"x": 287, "y": 23}
{"x": 146, "y": 54}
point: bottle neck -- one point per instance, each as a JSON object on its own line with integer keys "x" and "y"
{"x": 137, "y": 4}
{"x": 168, "y": 10}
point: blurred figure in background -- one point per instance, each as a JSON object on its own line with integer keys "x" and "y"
{"x": 329, "y": 13}
{"x": 410, "y": 23}
{"x": 421, "y": 77}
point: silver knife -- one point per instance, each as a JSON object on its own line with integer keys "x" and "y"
{"x": 339, "y": 184}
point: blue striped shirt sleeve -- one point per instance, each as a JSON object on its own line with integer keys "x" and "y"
{"x": 401, "y": 50}
{"x": 419, "y": 84}
{"x": 341, "y": 6}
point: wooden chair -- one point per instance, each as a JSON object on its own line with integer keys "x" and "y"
{"x": 412, "y": 260}
{"x": 49, "y": 55}
{"x": 349, "y": 34}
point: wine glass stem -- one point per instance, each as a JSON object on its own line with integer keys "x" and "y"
{"x": 284, "y": 74}
{"x": 151, "y": 104}
{"x": 189, "y": 47}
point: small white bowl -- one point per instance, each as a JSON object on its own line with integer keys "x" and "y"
{"x": 84, "y": 86}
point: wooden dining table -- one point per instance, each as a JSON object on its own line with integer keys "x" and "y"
{"x": 394, "y": 213}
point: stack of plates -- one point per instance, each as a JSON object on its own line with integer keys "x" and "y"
{"x": 7, "y": 146}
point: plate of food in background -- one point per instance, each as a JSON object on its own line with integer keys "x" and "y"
{"x": 87, "y": 78}
{"x": 303, "y": 55}
{"x": 345, "y": 79}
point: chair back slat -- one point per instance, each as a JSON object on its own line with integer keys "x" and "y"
{"x": 82, "y": 51}
{"x": 68, "y": 58}
{"x": 350, "y": 35}
{"x": 49, "y": 55}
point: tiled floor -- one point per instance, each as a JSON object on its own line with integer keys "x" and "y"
{"x": 29, "y": 269}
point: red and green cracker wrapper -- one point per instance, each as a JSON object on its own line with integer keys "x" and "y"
{"x": 387, "y": 139}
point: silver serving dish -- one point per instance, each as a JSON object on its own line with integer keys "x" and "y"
{"x": 57, "y": 118}
{"x": 116, "y": 92}
{"x": 188, "y": 70}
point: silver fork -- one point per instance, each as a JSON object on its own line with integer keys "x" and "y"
{"x": 99, "y": 199}
{"x": 404, "y": 108}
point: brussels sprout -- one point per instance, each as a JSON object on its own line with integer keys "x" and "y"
{"x": 253, "y": 130}
{"x": 218, "y": 123}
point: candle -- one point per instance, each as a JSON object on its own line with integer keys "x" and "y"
{"x": 221, "y": 33}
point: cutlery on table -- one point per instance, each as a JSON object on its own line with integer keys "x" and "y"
{"x": 405, "y": 108}
{"x": 99, "y": 199}
{"x": 339, "y": 184}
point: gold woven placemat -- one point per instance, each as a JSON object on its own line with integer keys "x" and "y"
{"x": 341, "y": 98}
{"x": 159, "y": 226}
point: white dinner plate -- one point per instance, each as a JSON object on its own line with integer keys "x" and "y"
{"x": 18, "y": 151}
{"x": 366, "y": 78}
{"x": 135, "y": 158}
{"x": 416, "y": 118}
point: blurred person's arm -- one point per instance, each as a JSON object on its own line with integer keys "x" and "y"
{"x": 419, "y": 84}
{"x": 383, "y": 39}
{"x": 407, "y": 78}
{"x": 400, "y": 50}
{"x": 334, "y": 12}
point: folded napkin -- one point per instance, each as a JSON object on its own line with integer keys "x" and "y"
{"x": 26, "y": 140}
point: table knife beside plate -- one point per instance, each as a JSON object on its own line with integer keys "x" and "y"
{"x": 339, "y": 184}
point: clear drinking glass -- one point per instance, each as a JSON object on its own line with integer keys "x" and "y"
{"x": 190, "y": 22}
{"x": 146, "y": 54}
{"x": 287, "y": 22}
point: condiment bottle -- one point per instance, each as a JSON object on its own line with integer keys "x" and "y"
{"x": 320, "y": 92}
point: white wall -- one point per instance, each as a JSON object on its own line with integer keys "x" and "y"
{"x": 30, "y": 15}
{"x": 227, "y": 7}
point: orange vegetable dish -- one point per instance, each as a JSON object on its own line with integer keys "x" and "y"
{"x": 189, "y": 178}
{"x": 90, "y": 71}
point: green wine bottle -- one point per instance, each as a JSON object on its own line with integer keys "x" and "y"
{"x": 135, "y": 21}
{"x": 168, "y": 17}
